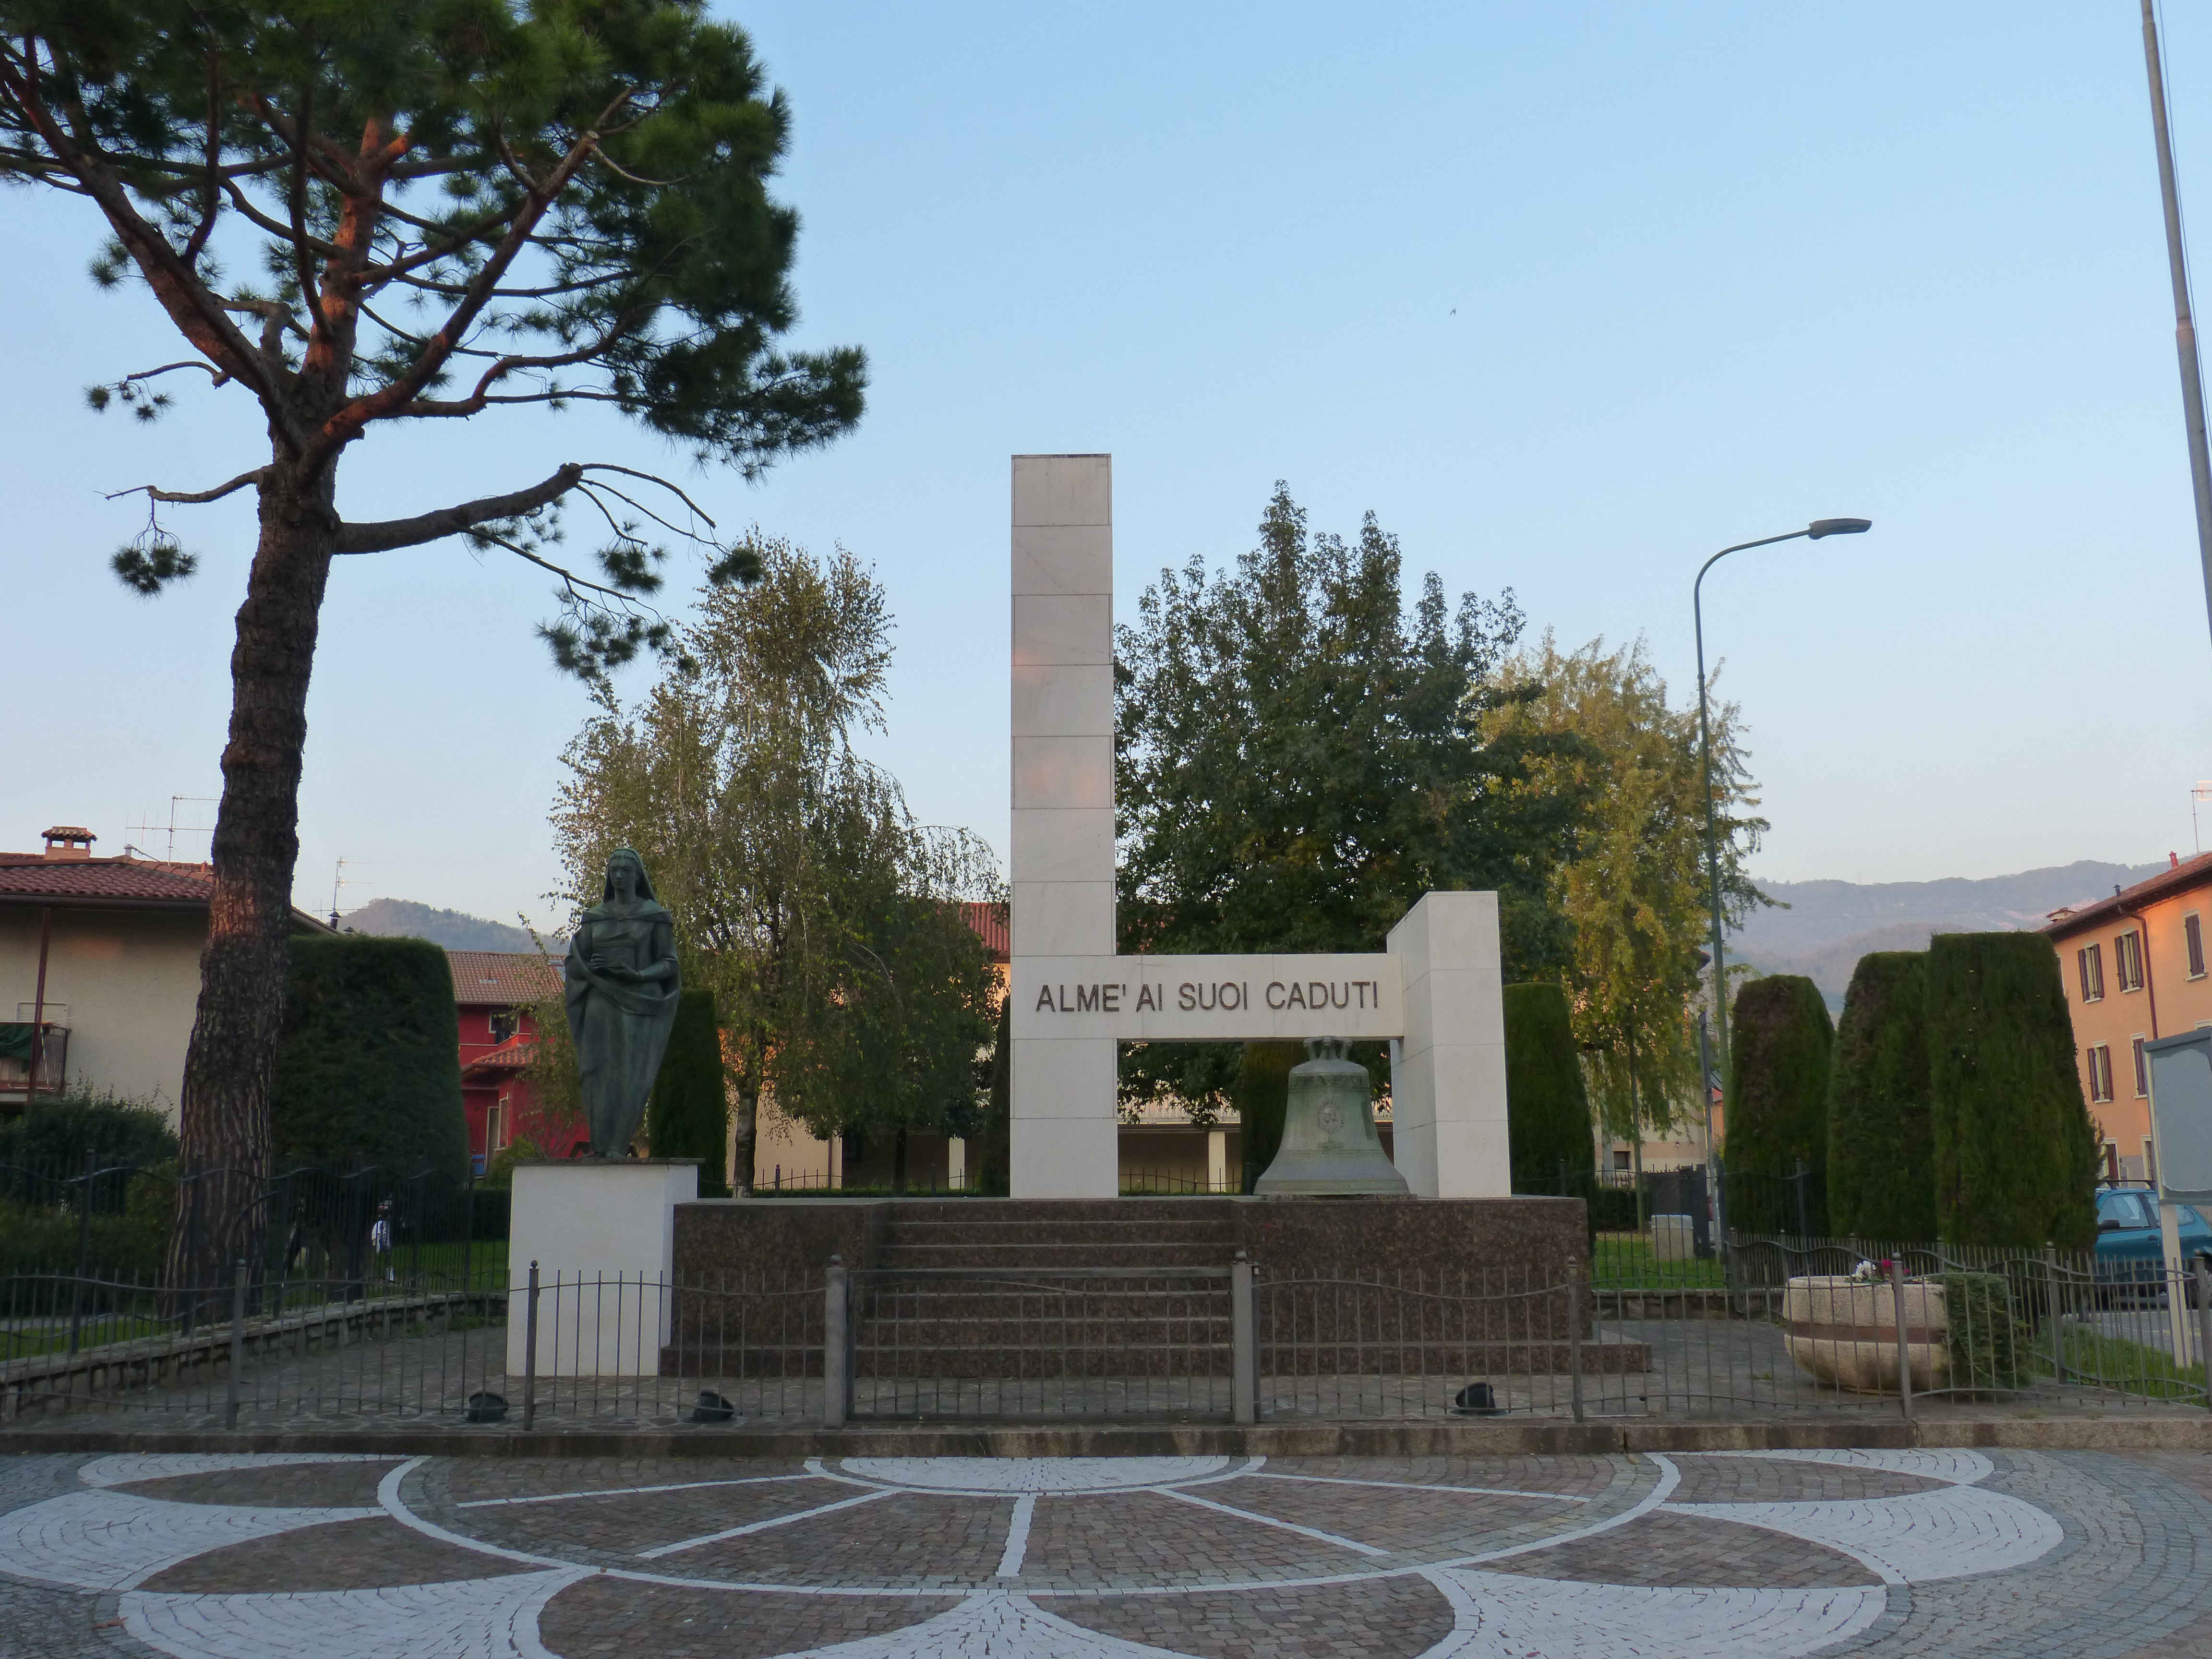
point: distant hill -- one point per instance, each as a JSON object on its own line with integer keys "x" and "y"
{"x": 1830, "y": 925}
{"x": 454, "y": 929}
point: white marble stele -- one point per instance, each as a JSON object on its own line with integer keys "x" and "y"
{"x": 1435, "y": 993}
{"x": 603, "y": 1234}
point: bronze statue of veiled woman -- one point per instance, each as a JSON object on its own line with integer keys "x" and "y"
{"x": 620, "y": 982}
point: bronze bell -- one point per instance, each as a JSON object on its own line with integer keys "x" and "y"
{"x": 1329, "y": 1143}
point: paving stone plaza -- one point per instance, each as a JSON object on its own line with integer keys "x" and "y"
{"x": 1776, "y": 1553}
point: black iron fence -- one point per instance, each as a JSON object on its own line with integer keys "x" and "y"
{"x": 1810, "y": 1326}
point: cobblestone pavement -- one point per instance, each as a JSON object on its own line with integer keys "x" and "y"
{"x": 1879, "y": 1554}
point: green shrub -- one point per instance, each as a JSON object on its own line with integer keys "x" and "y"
{"x": 689, "y": 1114}
{"x": 1262, "y": 1093}
{"x": 1988, "y": 1343}
{"x": 369, "y": 1065}
{"x": 499, "y": 1171}
{"x": 1780, "y": 1044}
{"x": 126, "y": 1246}
{"x": 1881, "y": 1178}
{"x": 48, "y": 1142}
{"x": 1548, "y": 1110}
{"x": 2014, "y": 1152}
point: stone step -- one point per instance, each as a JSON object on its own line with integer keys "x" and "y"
{"x": 1168, "y": 1229}
{"x": 1016, "y": 1256}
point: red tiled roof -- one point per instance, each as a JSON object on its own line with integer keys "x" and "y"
{"x": 510, "y": 1056}
{"x": 502, "y": 979}
{"x": 2189, "y": 873}
{"x": 118, "y": 884}
{"x": 34, "y": 876}
{"x": 989, "y": 921}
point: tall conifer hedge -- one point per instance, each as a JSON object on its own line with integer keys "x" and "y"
{"x": 994, "y": 1157}
{"x": 1548, "y": 1110}
{"x": 368, "y": 1067}
{"x": 2015, "y": 1155}
{"x": 1262, "y": 1095}
{"x": 689, "y": 1114}
{"x": 1881, "y": 1171}
{"x": 1781, "y": 1041}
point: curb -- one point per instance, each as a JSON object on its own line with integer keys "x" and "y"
{"x": 1416, "y": 1439}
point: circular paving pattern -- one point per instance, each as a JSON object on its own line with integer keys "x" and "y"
{"x": 1771, "y": 1554}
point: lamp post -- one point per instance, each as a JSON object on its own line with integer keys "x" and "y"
{"x": 1813, "y": 531}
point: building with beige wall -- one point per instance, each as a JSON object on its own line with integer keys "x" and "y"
{"x": 107, "y": 950}
{"x": 2134, "y": 967}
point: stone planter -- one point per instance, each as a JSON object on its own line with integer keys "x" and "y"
{"x": 1842, "y": 1331}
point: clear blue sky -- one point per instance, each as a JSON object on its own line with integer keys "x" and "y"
{"x": 1568, "y": 294}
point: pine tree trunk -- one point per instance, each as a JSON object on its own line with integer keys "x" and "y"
{"x": 224, "y": 1124}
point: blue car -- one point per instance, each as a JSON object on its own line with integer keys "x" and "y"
{"x": 2129, "y": 1246}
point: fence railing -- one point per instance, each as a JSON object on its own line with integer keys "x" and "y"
{"x": 1923, "y": 1331}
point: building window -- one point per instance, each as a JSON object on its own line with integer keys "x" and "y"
{"x": 2100, "y": 1073}
{"x": 2192, "y": 934}
{"x": 495, "y": 1127}
{"x": 502, "y": 1025}
{"x": 2092, "y": 960}
{"x": 1621, "y": 1159}
{"x": 2142, "y": 1071}
{"x": 2150, "y": 1159}
{"x": 2127, "y": 961}
{"x": 2111, "y": 1162}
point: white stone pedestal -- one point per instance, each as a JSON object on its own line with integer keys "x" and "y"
{"x": 603, "y": 1235}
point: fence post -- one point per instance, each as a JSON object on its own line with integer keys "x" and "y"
{"x": 237, "y": 1342}
{"x": 1243, "y": 1348}
{"x": 83, "y": 1252}
{"x": 836, "y": 1348}
{"x": 1904, "y": 1352}
{"x": 530, "y": 1355}
{"x": 1575, "y": 1336}
{"x": 2050, "y": 1297}
{"x": 2202, "y": 1276}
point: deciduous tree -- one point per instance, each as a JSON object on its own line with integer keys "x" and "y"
{"x": 825, "y": 920}
{"x": 410, "y": 211}
{"x": 1633, "y": 892}
{"x": 1299, "y": 760}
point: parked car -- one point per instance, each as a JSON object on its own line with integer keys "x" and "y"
{"x": 2130, "y": 1247}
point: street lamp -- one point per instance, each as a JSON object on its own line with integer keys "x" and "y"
{"x": 1813, "y": 531}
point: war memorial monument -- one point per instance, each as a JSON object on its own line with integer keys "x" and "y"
{"x": 1443, "y": 1197}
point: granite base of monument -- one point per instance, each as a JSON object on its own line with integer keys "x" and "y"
{"x": 602, "y": 1234}
{"x": 1477, "y": 1285}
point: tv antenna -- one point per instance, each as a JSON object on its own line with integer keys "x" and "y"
{"x": 338, "y": 884}
{"x": 2202, "y": 791}
{"x": 172, "y": 826}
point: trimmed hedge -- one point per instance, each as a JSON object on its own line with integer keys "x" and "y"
{"x": 1546, "y": 1107}
{"x": 1262, "y": 1095}
{"x": 689, "y": 1112}
{"x": 1780, "y": 1044}
{"x": 368, "y": 1067}
{"x": 1881, "y": 1182}
{"x": 2014, "y": 1152}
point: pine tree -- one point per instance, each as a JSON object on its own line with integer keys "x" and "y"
{"x": 689, "y": 1114}
{"x": 1776, "y": 1120}
{"x": 359, "y": 212}
{"x": 1548, "y": 1108}
{"x": 1881, "y": 1170}
{"x": 2016, "y": 1154}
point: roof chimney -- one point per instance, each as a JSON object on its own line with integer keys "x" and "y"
{"x": 69, "y": 841}
{"x": 2173, "y": 860}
